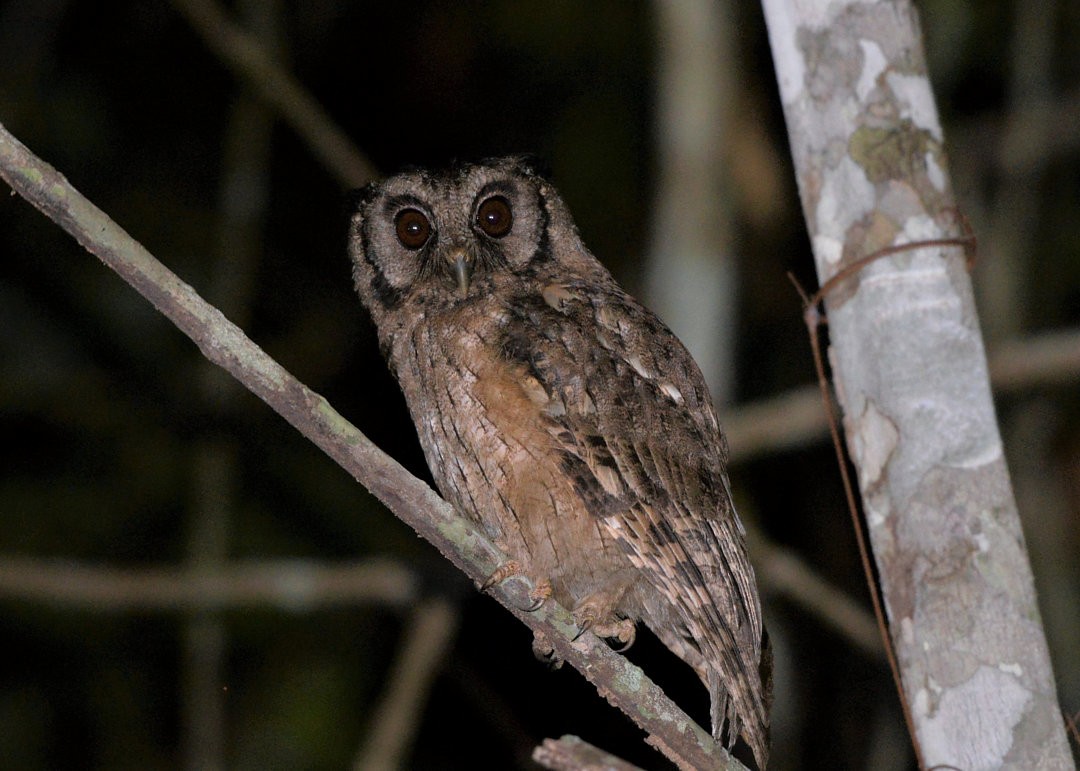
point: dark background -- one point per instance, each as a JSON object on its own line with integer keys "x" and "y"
{"x": 110, "y": 420}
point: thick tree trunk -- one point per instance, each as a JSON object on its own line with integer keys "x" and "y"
{"x": 910, "y": 374}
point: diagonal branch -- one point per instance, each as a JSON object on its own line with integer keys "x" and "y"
{"x": 223, "y": 343}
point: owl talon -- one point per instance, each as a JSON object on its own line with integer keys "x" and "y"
{"x": 503, "y": 572}
{"x": 626, "y": 635}
{"x": 591, "y": 614}
{"x": 539, "y": 594}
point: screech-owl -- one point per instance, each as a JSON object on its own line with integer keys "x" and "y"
{"x": 564, "y": 418}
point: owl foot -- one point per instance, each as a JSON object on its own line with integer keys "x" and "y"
{"x": 545, "y": 651}
{"x": 590, "y": 617}
{"x": 540, "y": 592}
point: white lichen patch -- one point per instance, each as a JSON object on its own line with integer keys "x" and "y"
{"x": 907, "y": 631}
{"x": 965, "y": 729}
{"x": 845, "y": 192}
{"x": 920, "y": 227}
{"x": 916, "y": 101}
{"x": 935, "y": 173}
{"x": 828, "y": 249}
{"x": 978, "y": 456}
{"x": 875, "y": 439}
{"x": 787, "y": 56}
{"x": 814, "y": 13}
{"x": 1011, "y": 669}
{"x": 874, "y": 63}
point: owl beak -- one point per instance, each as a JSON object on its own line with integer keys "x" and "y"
{"x": 462, "y": 263}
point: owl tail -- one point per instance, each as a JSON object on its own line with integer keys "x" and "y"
{"x": 741, "y": 712}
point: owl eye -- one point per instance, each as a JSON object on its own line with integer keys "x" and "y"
{"x": 413, "y": 228}
{"x": 494, "y": 216}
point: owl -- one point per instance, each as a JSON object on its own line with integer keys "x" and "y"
{"x": 564, "y": 418}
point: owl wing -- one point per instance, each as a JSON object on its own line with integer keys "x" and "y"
{"x": 640, "y": 441}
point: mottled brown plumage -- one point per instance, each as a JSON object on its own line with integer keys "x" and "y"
{"x": 563, "y": 417}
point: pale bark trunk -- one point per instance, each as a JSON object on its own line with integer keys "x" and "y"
{"x": 910, "y": 373}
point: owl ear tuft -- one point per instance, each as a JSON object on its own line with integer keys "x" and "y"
{"x": 535, "y": 164}
{"x": 356, "y": 199}
{"x": 520, "y": 163}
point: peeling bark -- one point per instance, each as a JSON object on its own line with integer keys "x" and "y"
{"x": 911, "y": 377}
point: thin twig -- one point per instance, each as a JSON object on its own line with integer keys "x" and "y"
{"x": 624, "y": 685}
{"x": 251, "y": 62}
{"x": 1072, "y": 725}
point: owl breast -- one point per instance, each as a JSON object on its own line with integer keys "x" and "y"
{"x": 484, "y": 425}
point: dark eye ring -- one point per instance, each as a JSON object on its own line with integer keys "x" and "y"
{"x": 494, "y": 216}
{"x": 413, "y": 228}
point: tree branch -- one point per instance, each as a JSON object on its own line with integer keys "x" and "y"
{"x": 621, "y": 683}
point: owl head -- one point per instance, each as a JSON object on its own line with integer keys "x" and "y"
{"x": 427, "y": 240}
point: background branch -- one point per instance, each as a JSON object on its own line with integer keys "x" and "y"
{"x": 251, "y": 62}
{"x": 794, "y": 418}
{"x": 428, "y": 638}
{"x": 290, "y": 585}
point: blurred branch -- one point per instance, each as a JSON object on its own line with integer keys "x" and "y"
{"x": 795, "y": 418}
{"x": 1004, "y": 283}
{"x": 623, "y": 684}
{"x": 249, "y": 61}
{"x": 289, "y": 585}
{"x": 243, "y": 200}
{"x": 1051, "y": 358}
{"x": 428, "y": 638}
{"x": 782, "y": 572}
{"x": 569, "y": 753}
{"x": 1022, "y": 141}
{"x": 788, "y": 420}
